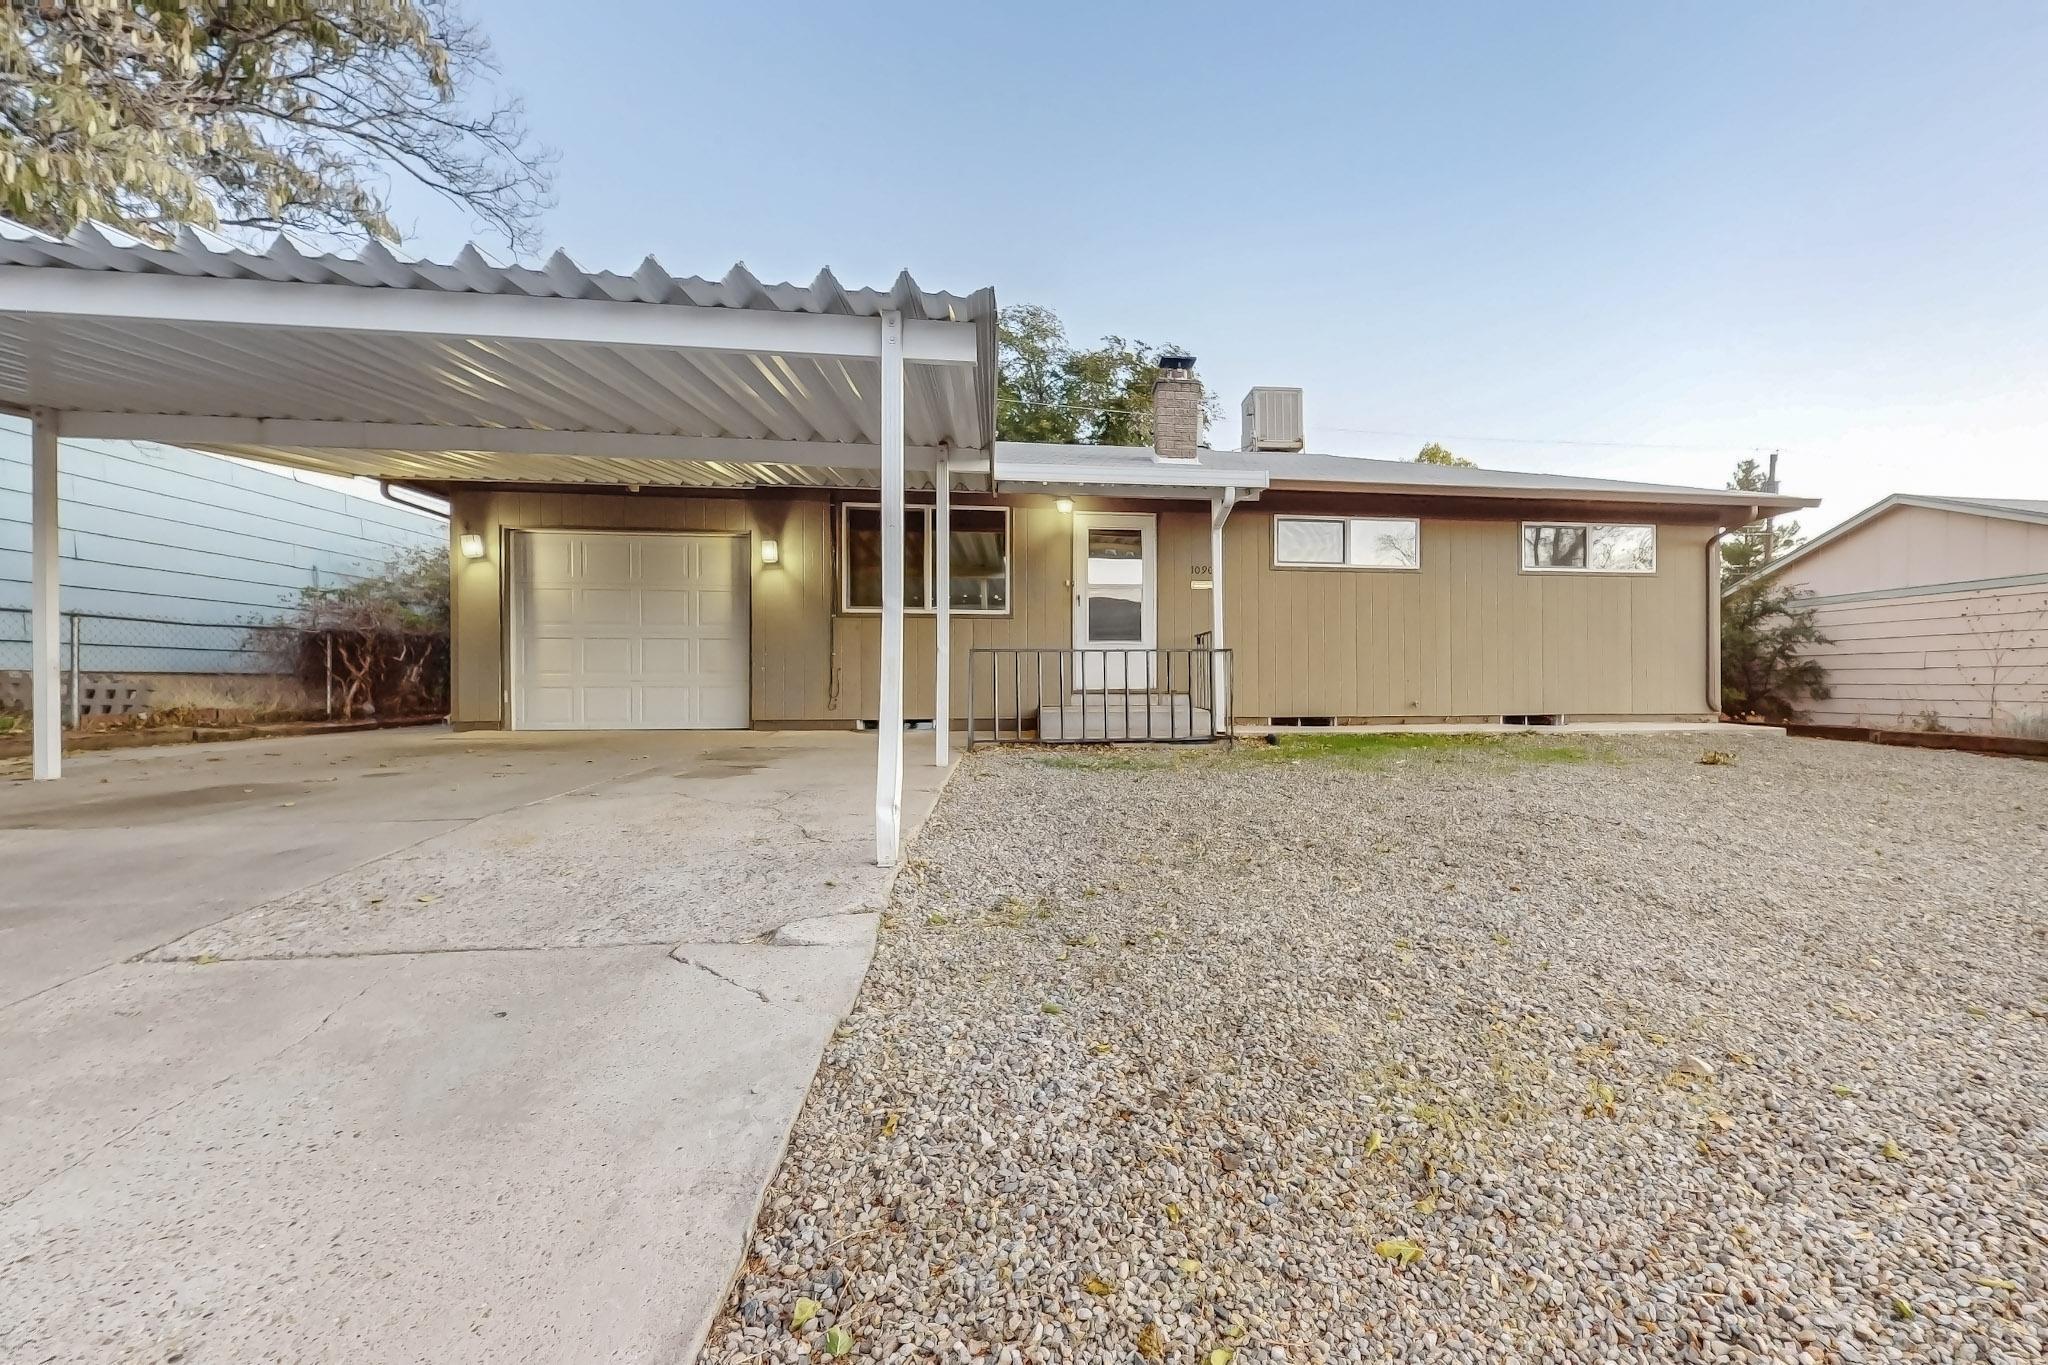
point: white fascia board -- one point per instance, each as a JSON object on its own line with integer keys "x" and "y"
{"x": 1133, "y": 475}
{"x": 283, "y": 433}
{"x": 197, "y": 301}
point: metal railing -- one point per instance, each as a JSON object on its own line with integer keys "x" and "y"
{"x": 1027, "y": 695}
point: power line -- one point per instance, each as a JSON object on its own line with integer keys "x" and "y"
{"x": 1432, "y": 436}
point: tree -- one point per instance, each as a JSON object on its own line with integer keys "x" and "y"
{"x": 1436, "y": 454}
{"x": 256, "y": 115}
{"x": 1048, "y": 391}
{"x": 1764, "y": 675}
{"x": 1742, "y": 552}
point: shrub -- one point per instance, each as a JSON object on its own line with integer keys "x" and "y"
{"x": 387, "y": 635}
{"x": 1764, "y": 629}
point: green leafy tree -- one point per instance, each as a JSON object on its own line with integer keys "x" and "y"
{"x": 1765, "y": 673}
{"x": 1436, "y": 454}
{"x": 1743, "y": 551}
{"x": 256, "y": 115}
{"x": 1049, "y": 391}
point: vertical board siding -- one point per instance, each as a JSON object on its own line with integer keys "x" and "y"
{"x": 1469, "y": 635}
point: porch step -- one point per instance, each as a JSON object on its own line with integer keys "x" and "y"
{"x": 1098, "y": 719}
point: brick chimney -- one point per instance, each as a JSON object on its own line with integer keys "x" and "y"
{"x": 1176, "y": 409}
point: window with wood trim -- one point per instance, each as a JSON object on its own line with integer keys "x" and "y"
{"x": 978, "y": 558}
{"x": 1588, "y": 547}
{"x": 1347, "y": 543}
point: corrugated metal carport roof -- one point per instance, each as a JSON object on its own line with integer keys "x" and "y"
{"x": 470, "y": 369}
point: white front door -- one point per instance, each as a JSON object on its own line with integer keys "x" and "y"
{"x": 630, "y": 632}
{"x": 1116, "y": 598}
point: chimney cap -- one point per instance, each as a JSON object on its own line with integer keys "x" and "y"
{"x": 1176, "y": 360}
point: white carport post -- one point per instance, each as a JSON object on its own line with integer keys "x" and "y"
{"x": 1220, "y": 504}
{"x": 942, "y": 572}
{"x": 48, "y": 741}
{"x": 889, "y": 722}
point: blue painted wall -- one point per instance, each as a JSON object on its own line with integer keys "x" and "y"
{"x": 159, "y": 532}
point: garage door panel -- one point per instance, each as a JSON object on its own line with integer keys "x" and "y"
{"x": 607, "y": 659}
{"x": 607, "y": 607}
{"x": 659, "y": 607}
{"x": 607, "y": 559}
{"x": 630, "y": 631}
{"x": 721, "y": 660}
{"x": 718, "y": 610}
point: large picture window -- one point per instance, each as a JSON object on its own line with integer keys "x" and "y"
{"x": 1588, "y": 547}
{"x": 978, "y": 557}
{"x": 1347, "y": 542}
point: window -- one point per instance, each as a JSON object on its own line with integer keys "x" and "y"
{"x": 1347, "y": 542}
{"x": 1582, "y": 547}
{"x": 978, "y": 557}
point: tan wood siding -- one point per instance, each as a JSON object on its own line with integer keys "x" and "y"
{"x": 1917, "y": 546}
{"x": 1469, "y": 635}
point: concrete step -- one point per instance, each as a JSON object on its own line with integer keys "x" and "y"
{"x": 1098, "y": 719}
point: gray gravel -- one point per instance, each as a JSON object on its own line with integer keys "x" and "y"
{"x": 1535, "y": 1050}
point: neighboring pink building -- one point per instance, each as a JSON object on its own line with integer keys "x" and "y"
{"x": 1938, "y": 612}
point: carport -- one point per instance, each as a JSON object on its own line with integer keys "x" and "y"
{"x": 394, "y": 368}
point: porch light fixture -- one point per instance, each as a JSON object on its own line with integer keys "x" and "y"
{"x": 472, "y": 546}
{"x": 771, "y": 551}
{"x": 1064, "y": 505}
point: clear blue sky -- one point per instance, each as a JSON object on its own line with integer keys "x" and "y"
{"x": 1820, "y": 227}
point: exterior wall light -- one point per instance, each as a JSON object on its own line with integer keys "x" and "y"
{"x": 1065, "y": 505}
{"x": 472, "y": 546}
{"x": 771, "y": 551}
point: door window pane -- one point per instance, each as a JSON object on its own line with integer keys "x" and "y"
{"x": 1385, "y": 543}
{"x": 1116, "y": 554}
{"x": 1307, "y": 540}
{"x": 979, "y": 559}
{"x": 1116, "y": 585}
{"x": 1116, "y": 616}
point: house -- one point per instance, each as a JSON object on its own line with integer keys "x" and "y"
{"x": 1936, "y": 611}
{"x": 683, "y": 502}
{"x": 170, "y": 553}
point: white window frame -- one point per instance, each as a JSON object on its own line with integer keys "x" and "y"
{"x": 1522, "y": 548}
{"x": 930, "y": 515}
{"x": 1346, "y": 565}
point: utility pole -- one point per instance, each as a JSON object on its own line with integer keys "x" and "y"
{"x": 1771, "y": 522}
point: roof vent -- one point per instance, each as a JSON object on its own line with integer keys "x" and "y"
{"x": 1272, "y": 420}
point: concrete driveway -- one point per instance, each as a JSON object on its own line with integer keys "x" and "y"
{"x": 411, "y": 1045}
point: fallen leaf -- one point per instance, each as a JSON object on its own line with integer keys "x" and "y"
{"x": 1151, "y": 1342}
{"x": 1173, "y": 1213}
{"x": 1373, "y": 1143}
{"x": 805, "y": 1310}
{"x": 1049, "y": 1008}
{"x": 1190, "y": 1266}
{"x": 1892, "y": 1152}
{"x": 838, "y": 1341}
{"x": 1992, "y": 1282}
{"x": 205, "y": 958}
{"x": 1098, "y": 1286}
{"x": 1399, "y": 1249}
{"x": 1426, "y": 1204}
{"x": 1222, "y": 1355}
{"x": 1903, "y": 1311}
{"x": 428, "y": 900}
{"x": 1717, "y": 758}
{"x": 1100, "y": 1048}
{"x": 1234, "y": 1331}
{"x": 889, "y": 1124}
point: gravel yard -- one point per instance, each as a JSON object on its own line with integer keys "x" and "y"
{"x": 1538, "y": 1049}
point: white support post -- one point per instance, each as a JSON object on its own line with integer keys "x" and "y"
{"x": 1219, "y": 512}
{"x": 44, "y": 685}
{"x": 889, "y": 720}
{"x": 942, "y": 573}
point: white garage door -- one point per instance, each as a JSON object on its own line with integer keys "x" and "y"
{"x": 630, "y": 632}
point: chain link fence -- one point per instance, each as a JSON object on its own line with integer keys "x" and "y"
{"x": 115, "y": 666}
